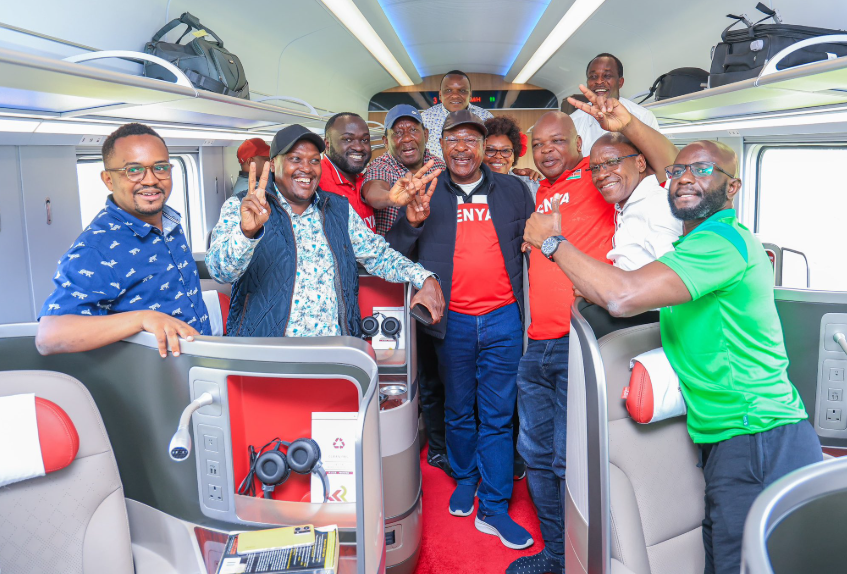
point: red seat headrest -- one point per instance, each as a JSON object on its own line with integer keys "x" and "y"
{"x": 639, "y": 395}
{"x": 57, "y": 435}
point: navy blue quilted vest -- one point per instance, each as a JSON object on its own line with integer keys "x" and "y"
{"x": 262, "y": 297}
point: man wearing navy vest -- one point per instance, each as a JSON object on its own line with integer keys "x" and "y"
{"x": 290, "y": 250}
{"x": 472, "y": 238}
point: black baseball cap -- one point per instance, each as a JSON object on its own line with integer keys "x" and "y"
{"x": 460, "y": 118}
{"x": 285, "y": 139}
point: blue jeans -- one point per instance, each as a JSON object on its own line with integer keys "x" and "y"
{"x": 478, "y": 361}
{"x": 542, "y": 407}
{"x": 736, "y": 471}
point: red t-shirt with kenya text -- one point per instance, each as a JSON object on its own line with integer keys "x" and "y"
{"x": 480, "y": 281}
{"x": 588, "y": 222}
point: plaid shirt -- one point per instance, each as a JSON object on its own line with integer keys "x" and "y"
{"x": 388, "y": 169}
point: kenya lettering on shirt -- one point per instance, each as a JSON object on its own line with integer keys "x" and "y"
{"x": 588, "y": 222}
{"x": 480, "y": 282}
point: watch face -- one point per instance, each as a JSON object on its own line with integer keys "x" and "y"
{"x": 549, "y": 246}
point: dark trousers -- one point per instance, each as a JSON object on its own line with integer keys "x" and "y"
{"x": 542, "y": 403}
{"x": 736, "y": 471}
{"x": 478, "y": 360}
{"x": 432, "y": 393}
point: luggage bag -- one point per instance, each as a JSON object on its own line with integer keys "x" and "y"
{"x": 207, "y": 64}
{"x": 742, "y": 53}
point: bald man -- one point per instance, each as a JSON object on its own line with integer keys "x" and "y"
{"x": 720, "y": 331}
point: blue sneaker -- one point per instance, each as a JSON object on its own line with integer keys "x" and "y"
{"x": 511, "y": 534}
{"x": 461, "y": 501}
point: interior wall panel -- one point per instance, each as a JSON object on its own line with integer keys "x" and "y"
{"x": 17, "y": 304}
{"x": 48, "y": 172}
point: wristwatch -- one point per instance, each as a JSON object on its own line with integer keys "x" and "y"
{"x": 550, "y": 245}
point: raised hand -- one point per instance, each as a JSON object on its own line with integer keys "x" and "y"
{"x": 418, "y": 210}
{"x": 255, "y": 210}
{"x": 541, "y": 226}
{"x": 609, "y": 112}
{"x": 168, "y": 331}
{"x": 528, "y": 172}
{"x": 403, "y": 192}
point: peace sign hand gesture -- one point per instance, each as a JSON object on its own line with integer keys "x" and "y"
{"x": 609, "y": 112}
{"x": 255, "y": 211}
{"x": 404, "y": 191}
{"x": 418, "y": 210}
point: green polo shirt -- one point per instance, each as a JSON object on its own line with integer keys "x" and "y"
{"x": 726, "y": 344}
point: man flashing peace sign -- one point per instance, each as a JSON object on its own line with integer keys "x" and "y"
{"x": 291, "y": 251}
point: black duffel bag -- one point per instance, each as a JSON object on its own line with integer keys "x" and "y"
{"x": 678, "y": 82}
{"x": 743, "y": 53}
{"x": 207, "y": 64}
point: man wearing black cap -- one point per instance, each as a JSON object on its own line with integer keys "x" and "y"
{"x": 472, "y": 240}
{"x": 291, "y": 250}
{"x": 387, "y": 177}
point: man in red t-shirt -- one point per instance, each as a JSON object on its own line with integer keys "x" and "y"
{"x": 348, "y": 151}
{"x": 543, "y": 374}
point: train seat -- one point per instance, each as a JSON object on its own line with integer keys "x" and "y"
{"x": 656, "y": 488}
{"x": 73, "y": 520}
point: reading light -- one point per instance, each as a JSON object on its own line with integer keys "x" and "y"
{"x": 352, "y": 19}
{"x": 577, "y": 14}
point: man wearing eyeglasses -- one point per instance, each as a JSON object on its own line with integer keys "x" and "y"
{"x": 454, "y": 95}
{"x": 720, "y": 331}
{"x": 470, "y": 235}
{"x": 131, "y": 269}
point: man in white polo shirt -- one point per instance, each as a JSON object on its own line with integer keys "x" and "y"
{"x": 604, "y": 77}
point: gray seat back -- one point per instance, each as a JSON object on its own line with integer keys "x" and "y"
{"x": 656, "y": 488}
{"x": 73, "y": 520}
{"x": 644, "y": 491}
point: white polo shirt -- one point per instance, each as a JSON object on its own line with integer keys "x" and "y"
{"x": 645, "y": 228}
{"x": 590, "y": 131}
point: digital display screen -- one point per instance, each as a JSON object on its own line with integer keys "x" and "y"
{"x": 487, "y": 99}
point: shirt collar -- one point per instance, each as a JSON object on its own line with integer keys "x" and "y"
{"x": 336, "y": 176}
{"x": 582, "y": 165}
{"x": 170, "y": 219}
{"x": 480, "y": 184}
{"x": 717, "y": 216}
{"x": 641, "y": 191}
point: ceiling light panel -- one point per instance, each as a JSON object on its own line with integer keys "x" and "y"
{"x": 577, "y": 14}
{"x": 352, "y": 19}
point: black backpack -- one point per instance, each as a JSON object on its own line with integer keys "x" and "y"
{"x": 678, "y": 82}
{"x": 207, "y": 64}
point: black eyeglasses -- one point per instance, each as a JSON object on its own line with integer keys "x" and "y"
{"x": 470, "y": 142}
{"x": 698, "y": 169}
{"x": 505, "y": 152}
{"x": 611, "y": 163}
{"x": 136, "y": 172}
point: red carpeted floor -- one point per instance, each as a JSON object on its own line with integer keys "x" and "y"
{"x": 452, "y": 545}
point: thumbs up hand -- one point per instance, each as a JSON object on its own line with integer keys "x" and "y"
{"x": 541, "y": 226}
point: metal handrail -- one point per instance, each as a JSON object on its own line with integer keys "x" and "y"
{"x": 181, "y": 78}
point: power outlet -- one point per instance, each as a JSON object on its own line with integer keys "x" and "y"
{"x": 833, "y": 415}
{"x": 834, "y": 395}
{"x": 216, "y": 493}
{"x": 213, "y": 468}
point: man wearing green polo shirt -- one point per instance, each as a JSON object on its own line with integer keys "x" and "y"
{"x": 720, "y": 331}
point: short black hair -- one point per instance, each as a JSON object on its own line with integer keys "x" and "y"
{"x": 454, "y": 73}
{"x": 126, "y": 130}
{"x": 331, "y": 121}
{"x": 506, "y": 126}
{"x": 606, "y": 55}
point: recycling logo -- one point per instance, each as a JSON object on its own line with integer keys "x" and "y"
{"x": 338, "y": 443}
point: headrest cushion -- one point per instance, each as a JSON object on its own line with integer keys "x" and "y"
{"x": 57, "y": 435}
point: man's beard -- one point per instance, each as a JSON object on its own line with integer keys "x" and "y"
{"x": 149, "y": 210}
{"x": 344, "y": 164}
{"x": 712, "y": 202}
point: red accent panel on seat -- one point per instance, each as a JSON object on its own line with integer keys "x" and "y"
{"x": 264, "y": 408}
{"x": 639, "y": 403}
{"x": 224, "y": 301}
{"x": 375, "y": 292}
{"x": 57, "y": 435}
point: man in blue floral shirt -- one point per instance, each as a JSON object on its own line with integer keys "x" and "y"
{"x": 131, "y": 269}
{"x": 291, "y": 250}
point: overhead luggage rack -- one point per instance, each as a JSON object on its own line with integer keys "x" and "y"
{"x": 812, "y": 85}
{"x": 37, "y": 87}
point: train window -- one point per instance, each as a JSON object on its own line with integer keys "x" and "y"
{"x": 93, "y": 194}
{"x": 800, "y": 203}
